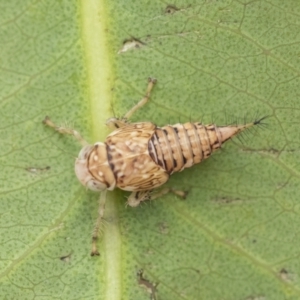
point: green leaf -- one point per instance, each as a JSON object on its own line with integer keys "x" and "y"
{"x": 236, "y": 234}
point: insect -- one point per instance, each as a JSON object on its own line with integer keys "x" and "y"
{"x": 140, "y": 157}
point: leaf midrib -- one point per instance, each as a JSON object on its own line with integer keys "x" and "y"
{"x": 99, "y": 72}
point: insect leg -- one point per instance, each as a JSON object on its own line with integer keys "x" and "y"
{"x": 114, "y": 123}
{"x": 143, "y": 101}
{"x": 66, "y": 130}
{"x": 96, "y": 229}
{"x": 136, "y": 198}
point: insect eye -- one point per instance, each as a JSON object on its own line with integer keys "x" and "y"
{"x": 85, "y": 151}
{"x": 96, "y": 185}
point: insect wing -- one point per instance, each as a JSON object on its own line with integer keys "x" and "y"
{"x": 129, "y": 158}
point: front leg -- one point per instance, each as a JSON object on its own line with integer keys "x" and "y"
{"x": 98, "y": 224}
{"x": 135, "y": 198}
{"x": 65, "y": 130}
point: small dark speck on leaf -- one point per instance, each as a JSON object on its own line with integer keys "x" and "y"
{"x": 171, "y": 9}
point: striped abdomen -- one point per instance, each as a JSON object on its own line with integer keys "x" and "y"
{"x": 179, "y": 146}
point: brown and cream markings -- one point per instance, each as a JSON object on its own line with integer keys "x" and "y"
{"x": 140, "y": 157}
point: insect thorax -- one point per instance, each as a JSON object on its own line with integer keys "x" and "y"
{"x": 129, "y": 158}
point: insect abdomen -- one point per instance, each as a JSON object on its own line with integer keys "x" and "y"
{"x": 179, "y": 146}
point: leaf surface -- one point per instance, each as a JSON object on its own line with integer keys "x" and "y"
{"x": 236, "y": 234}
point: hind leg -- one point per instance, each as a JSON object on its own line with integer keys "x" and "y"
{"x": 135, "y": 198}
